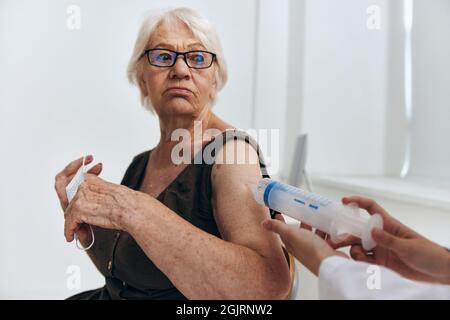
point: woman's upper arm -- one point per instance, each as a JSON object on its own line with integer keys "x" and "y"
{"x": 237, "y": 214}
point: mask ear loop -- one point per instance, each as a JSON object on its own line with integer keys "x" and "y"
{"x": 77, "y": 242}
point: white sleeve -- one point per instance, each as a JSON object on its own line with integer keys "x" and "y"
{"x": 341, "y": 278}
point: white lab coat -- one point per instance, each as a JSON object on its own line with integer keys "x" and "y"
{"x": 341, "y": 278}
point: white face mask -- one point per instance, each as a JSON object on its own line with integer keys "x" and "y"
{"x": 71, "y": 190}
{"x": 78, "y": 179}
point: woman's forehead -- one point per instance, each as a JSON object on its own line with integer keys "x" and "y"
{"x": 173, "y": 36}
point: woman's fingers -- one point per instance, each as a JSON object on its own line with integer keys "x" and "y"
{"x": 279, "y": 216}
{"x": 321, "y": 234}
{"x": 370, "y": 205}
{"x": 69, "y": 223}
{"x": 63, "y": 178}
{"x": 362, "y": 202}
{"x": 291, "y": 236}
{"x": 275, "y": 226}
{"x": 60, "y": 186}
{"x": 97, "y": 169}
{"x": 98, "y": 185}
{"x": 348, "y": 241}
{"x": 287, "y": 233}
{"x": 358, "y": 253}
{"x": 73, "y": 167}
{"x": 78, "y": 212}
{"x": 390, "y": 242}
{"x": 306, "y": 246}
{"x": 318, "y": 232}
{"x": 305, "y": 226}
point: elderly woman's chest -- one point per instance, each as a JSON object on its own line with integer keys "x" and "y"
{"x": 187, "y": 197}
{"x": 157, "y": 180}
{"x": 183, "y": 190}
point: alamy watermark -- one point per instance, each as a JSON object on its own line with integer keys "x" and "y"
{"x": 374, "y": 279}
{"x": 73, "y": 21}
{"x": 73, "y": 281}
{"x": 373, "y": 21}
{"x": 220, "y": 151}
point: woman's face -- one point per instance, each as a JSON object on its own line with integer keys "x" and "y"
{"x": 177, "y": 90}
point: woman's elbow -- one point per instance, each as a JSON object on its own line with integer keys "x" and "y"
{"x": 275, "y": 284}
{"x": 279, "y": 286}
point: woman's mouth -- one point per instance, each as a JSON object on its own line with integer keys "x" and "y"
{"x": 178, "y": 91}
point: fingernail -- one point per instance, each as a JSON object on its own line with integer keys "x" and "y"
{"x": 266, "y": 224}
{"x": 377, "y": 230}
{"x": 89, "y": 157}
{"x": 376, "y": 233}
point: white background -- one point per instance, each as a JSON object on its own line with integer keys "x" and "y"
{"x": 64, "y": 93}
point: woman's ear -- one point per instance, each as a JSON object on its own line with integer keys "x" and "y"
{"x": 212, "y": 93}
{"x": 143, "y": 87}
{"x": 214, "y": 87}
{"x": 215, "y": 77}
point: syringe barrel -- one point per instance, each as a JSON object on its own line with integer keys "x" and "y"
{"x": 319, "y": 212}
{"x": 299, "y": 204}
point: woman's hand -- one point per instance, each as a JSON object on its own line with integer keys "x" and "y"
{"x": 103, "y": 204}
{"x": 63, "y": 178}
{"x": 399, "y": 248}
{"x": 308, "y": 247}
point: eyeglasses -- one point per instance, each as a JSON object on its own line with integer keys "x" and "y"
{"x": 167, "y": 58}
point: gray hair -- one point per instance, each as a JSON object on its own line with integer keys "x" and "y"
{"x": 201, "y": 29}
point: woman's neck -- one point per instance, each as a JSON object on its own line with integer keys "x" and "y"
{"x": 190, "y": 131}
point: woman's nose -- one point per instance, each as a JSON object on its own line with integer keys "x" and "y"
{"x": 180, "y": 69}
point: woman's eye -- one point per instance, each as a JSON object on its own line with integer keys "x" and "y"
{"x": 198, "y": 58}
{"x": 164, "y": 57}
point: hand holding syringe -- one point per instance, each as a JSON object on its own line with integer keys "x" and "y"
{"x": 330, "y": 217}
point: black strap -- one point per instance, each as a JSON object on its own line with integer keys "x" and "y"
{"x": 219, "y": 141}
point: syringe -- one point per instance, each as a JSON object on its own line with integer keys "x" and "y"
{"x": 336, "y": 219}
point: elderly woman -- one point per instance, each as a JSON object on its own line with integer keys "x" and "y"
{"x": 177, "y": 230}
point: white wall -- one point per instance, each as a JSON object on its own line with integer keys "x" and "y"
{"x": 64, "y": 93}
{"x": 430, "y": 155}
{"x": 271, "y": 76}
{"x": 295, "y": 83}
{"x": 344, "y": 87}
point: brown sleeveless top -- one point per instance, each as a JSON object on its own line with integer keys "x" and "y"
{"x": 128, "y": 272}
